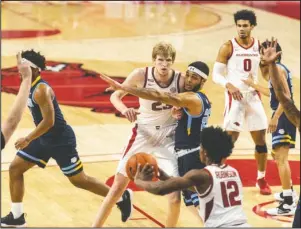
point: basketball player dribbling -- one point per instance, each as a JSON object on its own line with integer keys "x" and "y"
{"x": 240, "y": 57}
{"x": 154, "y": 128}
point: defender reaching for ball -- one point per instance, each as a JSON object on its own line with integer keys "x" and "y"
{"x": 195, "y": 111}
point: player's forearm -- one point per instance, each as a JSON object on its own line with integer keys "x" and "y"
{"x": 283, "y": 96}
{"x": 278, "y": 111}
{"x": 281, "y": 91}
{"x": 218, "y": 74}
{"x": 151, "y": 94}
{"x": 19, "y": 104}
{"x": 261, "y": 89}
{"x": 116, "y": 100}
{"x": 264, "y": 72}
{"x": 41, "y": 129}
{"x": 150, "y": 186}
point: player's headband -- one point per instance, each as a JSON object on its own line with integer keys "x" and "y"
{"x": 197, "y": 71}
{"x": 30, "y": 63}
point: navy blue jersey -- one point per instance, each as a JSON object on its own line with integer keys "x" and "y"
{"x": 60, "y": 133}
{"x": 273, "y": 100}
{"x": 189, "y": 127}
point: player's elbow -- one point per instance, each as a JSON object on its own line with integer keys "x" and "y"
{"x": 116, "y": 96}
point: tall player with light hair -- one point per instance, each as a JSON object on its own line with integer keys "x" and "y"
{"x": 154, "y": 127}
{"x": 239, "y": 57}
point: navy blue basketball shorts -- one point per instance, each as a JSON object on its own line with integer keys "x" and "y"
{"x": 285, "y": 133}
{"x": 189, "y": 159}
{"x": 66, "y": 156}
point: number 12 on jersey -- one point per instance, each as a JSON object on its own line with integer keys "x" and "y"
{"x": 229, "y": 197}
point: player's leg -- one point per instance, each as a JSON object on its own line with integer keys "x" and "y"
{"x": 261, "y": 155}
{"x": 25, "y": 159}
{"x": 257, "y": 123}
{"x": 137, "y": 143}
{"x": 187, "y": 161}
{"x": 287, "y": 206}
{"x": 167, "y": 160}
{"x": 68, "y": 160}
{"x": 114, "y": 195}
{"x": 282, "y": 140}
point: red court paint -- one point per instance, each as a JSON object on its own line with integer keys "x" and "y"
{"x": 73, "y": 85}
{"x": 13, "y": 34}
{"x": 259, "y": 211}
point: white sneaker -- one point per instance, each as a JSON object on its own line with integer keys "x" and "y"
{"x": 279, "y": 196}
{"x": 283, "y": 209}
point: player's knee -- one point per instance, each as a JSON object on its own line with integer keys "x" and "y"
{"x": 79, "y": 180}
{"x": 261, "y": 148}
{"x": 15, "y": 169}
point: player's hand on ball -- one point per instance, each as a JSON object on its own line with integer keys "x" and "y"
{"x": 162, "y": 175}
{"x": 146, "y": 173}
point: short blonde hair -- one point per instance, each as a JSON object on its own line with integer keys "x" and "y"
{"x": 164, "y": 49}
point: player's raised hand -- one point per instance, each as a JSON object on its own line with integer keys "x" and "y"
{"x": 23, "y": 67}
{"x": 269, "y": 55}
{"x": 145, "y": 173}
{"x": 114, "y": 85}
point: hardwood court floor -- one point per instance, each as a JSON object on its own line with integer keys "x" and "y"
{"x": 83, "y": 40}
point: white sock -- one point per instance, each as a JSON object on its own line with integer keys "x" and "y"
{"x": 287, "y": 192}
{"x": 260, "y": 174}
{"x": 17, "y": 209}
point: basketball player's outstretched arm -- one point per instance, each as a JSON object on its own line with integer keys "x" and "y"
{"x": 250, "y": 82}
{"x": 219, "y": 69}
{"x": 10, "y": 124}
{"x": 269, "y": 56}
{"x": 134, "y": 79}
{"x": 43, "y": 97}
{"x": 189, "y": 100}
{"x": 198, "y": 178}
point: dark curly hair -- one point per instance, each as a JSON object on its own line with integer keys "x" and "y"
{"x": 217, "y": 142}
{"x": 35, "y": 57}
{"x": 245, "y": 15}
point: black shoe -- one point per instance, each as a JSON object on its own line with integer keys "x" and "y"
{"x": 10, "y": 221}
{"x": 126, "y": 206}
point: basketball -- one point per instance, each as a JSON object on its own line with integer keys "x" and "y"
{"x": 142, "y": 159}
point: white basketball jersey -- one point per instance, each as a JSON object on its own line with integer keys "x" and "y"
{"x": 157, "y": 113}
{"x": 221, "y": 204}
{"x": 242, "y": 62}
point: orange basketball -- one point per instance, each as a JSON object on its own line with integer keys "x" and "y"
{"x": 142, "y": 159}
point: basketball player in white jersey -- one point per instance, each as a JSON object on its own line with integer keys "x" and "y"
{"x": 244, "y": 110}
{"x": 219, "y": 185}
{"x": 154, "y": 128}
